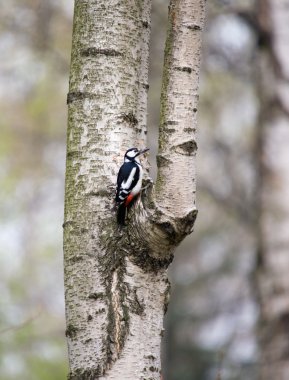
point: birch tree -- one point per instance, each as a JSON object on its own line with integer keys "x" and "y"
{"x": 116, "y": 285}
{"x": 273, "y": 260}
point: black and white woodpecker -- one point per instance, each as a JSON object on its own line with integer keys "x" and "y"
{"x": 129, "y": 182}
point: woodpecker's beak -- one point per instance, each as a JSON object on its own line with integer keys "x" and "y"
{"x": 143, "y": 151}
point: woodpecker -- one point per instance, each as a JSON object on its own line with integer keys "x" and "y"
{"x": 129, "y": 181}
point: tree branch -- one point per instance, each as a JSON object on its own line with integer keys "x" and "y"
{"x": 175, "y": 187}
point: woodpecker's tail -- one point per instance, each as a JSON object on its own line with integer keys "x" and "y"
{"x": 121, "y": 214}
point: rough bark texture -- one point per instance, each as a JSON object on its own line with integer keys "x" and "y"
{"x": 273, "y": 267}
{"x": 116, "y": 280}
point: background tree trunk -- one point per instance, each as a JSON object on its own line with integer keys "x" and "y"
{"x": 273, "y": 266}
{"x": 116, "y": 280}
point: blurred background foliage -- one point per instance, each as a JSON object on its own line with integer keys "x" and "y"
{"x": 35, "y": 44}
{"x": 210, "y": 325}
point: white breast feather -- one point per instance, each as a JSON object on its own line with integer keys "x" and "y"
{"x": 137, "y": 187}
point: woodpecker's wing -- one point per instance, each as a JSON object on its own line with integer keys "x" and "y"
{"x": 127, "y": 178}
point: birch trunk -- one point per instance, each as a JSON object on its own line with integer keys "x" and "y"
{"x": 116, "y": 285}
{"x": 273, "y": 267}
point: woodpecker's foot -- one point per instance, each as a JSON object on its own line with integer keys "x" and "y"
{"x": 148, "y": 182}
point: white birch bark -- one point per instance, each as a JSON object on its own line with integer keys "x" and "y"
{"x": 177, "y": 140}
{"x": 116, "y": 280}
{"x": 273, "y": 268}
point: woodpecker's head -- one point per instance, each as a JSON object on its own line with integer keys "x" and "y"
{"x": 133, "y": 154}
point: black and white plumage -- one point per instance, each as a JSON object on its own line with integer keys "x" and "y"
{"x": 129, "y": 182}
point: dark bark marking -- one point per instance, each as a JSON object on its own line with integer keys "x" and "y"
{"x": 154, "y": 369}
{"x": 68, "y": 223}
{"x": 71, "y": 331}
{"x": 75, "y": 259}
{"x": 94, "y": 52}
{"x": 189, "y": 130}
{"x": 99, "y": 193}
{"x": 185, "y": 69}
{"x": 96, "y": 296}
{"x": 150, "y": 357}
{"x": 167, "y": 296}
{"x": 149, "y": 263}
{"x": 145, "y": 24}
{"x": 136, "y": 306}
{"x": 187, "y": 148}
{"x": 78, "y": 95}
{"x": 171, "y": 122}
{"x": 89, "y": 318}
{"x": 170, "y": 130}
{"x": 100, "y": 311}
{"x": 169, "y": 229}
{"x": 163, "y": 161}
{"x": 74, "y": 154}
{"x": 186, "y": 224}
{"x": 90, "y": 374}
{"x": 129, "y": 118}
{"x": 193, "y": 27}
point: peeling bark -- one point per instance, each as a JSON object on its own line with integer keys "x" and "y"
{"x": 116, "y": 280}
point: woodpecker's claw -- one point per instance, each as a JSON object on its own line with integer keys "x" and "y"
{"x": 148, "y": 183}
